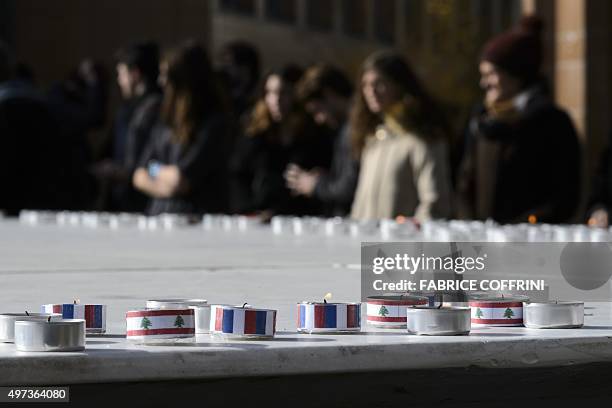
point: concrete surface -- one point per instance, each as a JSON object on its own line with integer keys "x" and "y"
{"x": 123, "y": 268}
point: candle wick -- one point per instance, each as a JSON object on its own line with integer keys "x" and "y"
{"x": 246, "y": 303}
{"x": 49, "y": 319}
{"x": 324, "y": 300}
{"x": 26, "y": 312}
{"x": 440, "y": 306}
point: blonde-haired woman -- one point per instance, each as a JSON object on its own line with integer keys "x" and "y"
{"x": 401, "y": 139}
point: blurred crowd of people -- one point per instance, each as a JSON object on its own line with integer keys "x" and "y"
{"x": 191, "y": 136}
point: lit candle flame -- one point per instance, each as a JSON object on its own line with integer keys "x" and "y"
{"x": 327, "y": 297}
{"x": 532, "y": 219}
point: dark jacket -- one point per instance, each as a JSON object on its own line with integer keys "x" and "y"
{"x": 258, "y": 166}
{"x": 601, "y": 185}
{"x": 203, "y": 163}
{"x": 37, "y": 168}
{"x": 526, "y": 166}
{"x": 132, "y": 130}
{"x": 336, "y": 188}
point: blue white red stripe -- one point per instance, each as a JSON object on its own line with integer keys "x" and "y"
{"x": 94, "y": 315}
{"x": 313, "y": 317}
{"x": 242, "y": 321}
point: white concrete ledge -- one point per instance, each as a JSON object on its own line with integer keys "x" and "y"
{"x": 124, "y": 268}
{"x": 113, "y": 359}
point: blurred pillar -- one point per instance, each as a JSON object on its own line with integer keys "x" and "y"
{"x": 570, "y": 70}
{"x": 579, "y": 63}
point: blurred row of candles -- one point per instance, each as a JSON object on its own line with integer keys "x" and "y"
{"x": 401, "y": 228}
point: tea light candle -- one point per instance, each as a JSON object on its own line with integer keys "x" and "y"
{"x": 93, "y": 314}
{"x": 440, "y": 321}
{"x": 200, "y": 307}
{"x": 90, "y": 220}
{"x": 400, "y": 227}
{"x": 247, "y": 222}
{"x": 242, "y": 322}
{"x": 147, "y": 223}
{"x": 74, "y": 218}
{"x": 361, "y": 228}
{"x": 122, "y": 220}
{"x": 298, "y": 225}
{"x": 50, "y": 335}
{"x": 280, "y": 224}
{"x": 598, "y": 235}
{"x": 553, "y": 315}
{"x": 327, "y": 317}
{"x": 492, "y": 310}
{"x": 211, "y": 221}
{"x": 7, "y": 323}
{"x": 227, "y": 222}
{"x": 171, "y": 221}
{"x": 334, "y": 226}
{"x": 113, "y": 222}
{"x": 390, "y": 310}
{"x": 61, "y": 218}
{"x": 153, "y": 325}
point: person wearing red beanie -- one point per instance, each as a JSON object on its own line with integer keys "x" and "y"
{"x": 515, "y": 57}
{"x": 521, "y": 157}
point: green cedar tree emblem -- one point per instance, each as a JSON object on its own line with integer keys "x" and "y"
{"x": 145, "y": 323}
{"x": 383, "y": 311}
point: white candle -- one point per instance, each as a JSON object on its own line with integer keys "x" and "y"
{"x": 7, "y": 323}
{"x": 50, "y": 335}
{"x": 553, "y": 315}
{"x": 438, "y": 321}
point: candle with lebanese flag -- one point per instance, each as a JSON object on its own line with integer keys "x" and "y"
{"x": 389, "y": 310}
{"x": 159, "y": 324}
{"x": 497, "y": 310}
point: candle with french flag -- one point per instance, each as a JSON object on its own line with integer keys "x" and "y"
{"x": 328, "y": 317}
{"x": 242, "y": 321}
{"x": 93, "y": 314}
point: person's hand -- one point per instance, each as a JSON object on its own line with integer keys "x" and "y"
{"x": 300, "y": 181}
{"x": 169, "y": 180}
{"x": 140, "y": 178}
{"x": 599, "y": 218}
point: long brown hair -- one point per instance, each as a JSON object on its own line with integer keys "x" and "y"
{"x": 260, "y": 121}
{"x": 423, "y": 114}
{"x": 191, "y": 93}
